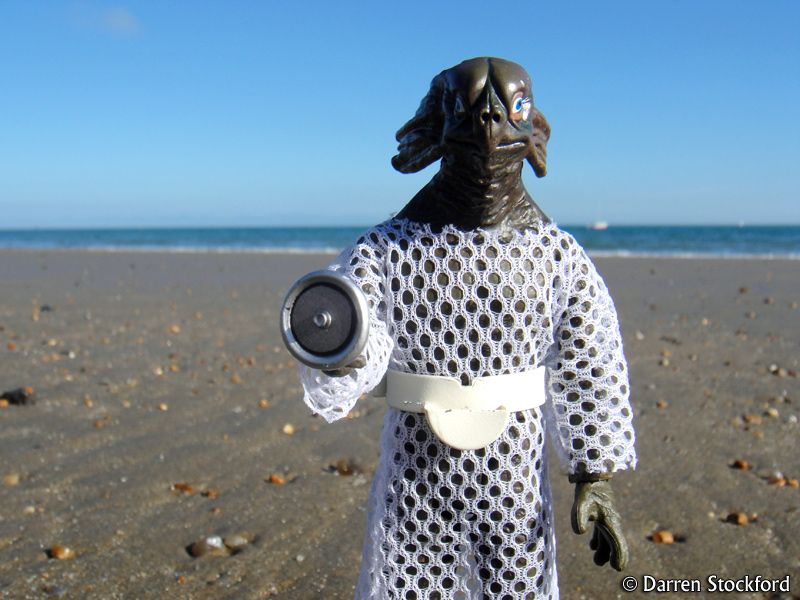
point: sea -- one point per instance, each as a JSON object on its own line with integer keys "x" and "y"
{"x": 767, "y": 241}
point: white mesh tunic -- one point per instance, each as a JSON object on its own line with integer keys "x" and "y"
{"x": 445, "y": 523}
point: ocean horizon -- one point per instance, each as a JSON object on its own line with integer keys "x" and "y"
{"x": 758, "y": 241}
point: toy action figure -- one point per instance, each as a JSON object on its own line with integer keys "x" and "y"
{"x": 491, "y": 325}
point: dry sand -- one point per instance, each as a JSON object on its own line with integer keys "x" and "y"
{"x": 149, "y": 370}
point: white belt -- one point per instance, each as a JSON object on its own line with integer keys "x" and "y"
{"x": 466, "y": 417}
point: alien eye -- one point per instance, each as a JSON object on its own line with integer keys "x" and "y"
{"x": 520, "y": 107}
{"x": 459, "y": 107}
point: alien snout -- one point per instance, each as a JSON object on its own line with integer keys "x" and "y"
{"x": 490, "y": 117}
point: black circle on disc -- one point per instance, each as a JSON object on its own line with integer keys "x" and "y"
{"x": 317, "y": 298}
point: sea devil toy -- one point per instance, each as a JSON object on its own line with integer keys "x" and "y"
{"x": 486, "y": 326}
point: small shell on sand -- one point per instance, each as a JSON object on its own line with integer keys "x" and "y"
{"x": 663, "y": 536}
{"x": 741, "y": 464}
{"x": 288, "y": 429}
{"x": 277, "y": 479}
{"x": 236, "y": 542}
{"x": 212, "y": 545}
{"x": 60, "y": 552}
{"x": 174, "y": 328}
{"x": 263, "y": 403}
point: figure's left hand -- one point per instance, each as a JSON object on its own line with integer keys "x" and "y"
{"x": 594, "y": 501}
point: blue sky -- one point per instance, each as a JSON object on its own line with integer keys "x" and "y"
{"x": 275, "y": 113}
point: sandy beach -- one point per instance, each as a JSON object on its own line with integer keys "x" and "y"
{"x": 167, "y": 411}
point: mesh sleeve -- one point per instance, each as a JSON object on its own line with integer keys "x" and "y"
{"x": 588, "y": 376}
{"x": 333, "y": 397}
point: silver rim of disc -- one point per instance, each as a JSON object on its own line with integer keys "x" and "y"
{"x": 356, "y": 345}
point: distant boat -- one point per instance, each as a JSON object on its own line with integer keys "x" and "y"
{"x": 598, "y": 226}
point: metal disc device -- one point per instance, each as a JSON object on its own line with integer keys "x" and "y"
{"x": 324, "y": 320}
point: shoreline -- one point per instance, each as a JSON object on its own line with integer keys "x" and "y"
{"x": 328, "y": 251}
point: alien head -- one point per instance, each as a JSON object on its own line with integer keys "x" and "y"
{"x": 479, "y": 114}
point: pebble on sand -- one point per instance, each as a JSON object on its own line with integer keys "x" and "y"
{"x": 263, "y": 403}
{"x": 183, "y": 487}
{"x": 345, "y": 467}
{"x": 19, "y": 397}
{"x": 288, "y": 429}
{"x": 277, "y": 479}
{"x": 776, "y": 480}
{"x": 174, "y": 328}
{"x": 781, "y": 371}
{"x": 662, "y": 536}
{"x": 11, "y": 479}
{"x": 60, "y": 552}
{"x": 741, "y": 464}
{"x": 738, "y": 518}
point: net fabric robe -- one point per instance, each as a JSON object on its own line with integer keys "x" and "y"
{"x": 444, "y": 523}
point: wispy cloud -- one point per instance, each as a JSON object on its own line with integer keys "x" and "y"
{"x": 115, "y": 20}
{"x": 120, "y": 20}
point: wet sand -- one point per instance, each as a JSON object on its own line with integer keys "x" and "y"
{"x": 155, "y": 369}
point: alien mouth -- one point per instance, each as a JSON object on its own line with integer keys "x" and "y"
{"x": 510, "y": 145}
{"x": 476, "y": 149}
